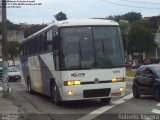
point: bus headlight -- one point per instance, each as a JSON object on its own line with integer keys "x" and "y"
{"x": 72, "y": 82}
{"x": 118, "y": 79}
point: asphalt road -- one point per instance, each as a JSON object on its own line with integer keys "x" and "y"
{"x": 39, "y": 107}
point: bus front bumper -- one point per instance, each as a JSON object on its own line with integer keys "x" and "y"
{"x": 94, "y": 91}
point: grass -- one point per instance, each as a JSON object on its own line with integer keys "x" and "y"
{"x": 130, "y": 73}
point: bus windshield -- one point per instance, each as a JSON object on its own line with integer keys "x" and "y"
{"x": 91, "y": 47}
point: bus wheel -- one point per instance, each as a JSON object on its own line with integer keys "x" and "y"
{"x": 105, "y": 100}
{"x": 29, "y": 86}
{"x": 55, "y": 95}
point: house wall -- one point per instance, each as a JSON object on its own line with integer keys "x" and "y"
{"x": 12, "y": 35}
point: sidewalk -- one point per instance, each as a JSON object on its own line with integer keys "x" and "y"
{"x": 6, "y": 105}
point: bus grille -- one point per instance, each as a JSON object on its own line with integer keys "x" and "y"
{"x": 96, "y": 93}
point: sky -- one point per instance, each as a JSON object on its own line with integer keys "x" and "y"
{"x": 78, "y": 9}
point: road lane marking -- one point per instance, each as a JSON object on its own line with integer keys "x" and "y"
{"x": 105, "y": 108}
{"x": 156, "y": 111}
{"x": 1, "y": 88}
{"x": 158, "y": 104}
{"x": 147, "y": 119}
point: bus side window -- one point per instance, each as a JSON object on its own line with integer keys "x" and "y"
{"x": 43, "y": 42}
{"x": 49, "y": 39}
{"x": 27, "y": 47}
{"x": 55, "y": 41}
{"x": 31, "y": 47}
{"x": 38, "y": 43}
{"x": 56, "y": 49}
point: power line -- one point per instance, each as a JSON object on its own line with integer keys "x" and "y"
{"x": 140, "y": 2}
{"x": 127, "y": 5}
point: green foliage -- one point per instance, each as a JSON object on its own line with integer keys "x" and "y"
{"x": 140, "y": 38}
{"x": 152, "y": 22}
{"x": 114, "y": 17}
{"x": 60, "y": 16}
{"x": 10, "y": 26}
{"x": 33, "y": 29}
{"x": 13, "y": 49}
{"x": 131, "y": 17}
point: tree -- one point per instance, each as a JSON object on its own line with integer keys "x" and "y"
{"x": 10, "y": 26}
{"x": 141, "y": 39}
{"x": 115, "y": 17}
{"x": 60, "y": 16}
{"x": 131, "y": 17}
{"x": 34, "y": 28}
{"x": 124, "y": 26}
{"x": 13, "y": 49}
{"x": 152, "y": 22}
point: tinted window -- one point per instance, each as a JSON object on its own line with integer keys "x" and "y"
{"x": 78, "y": 48}
{"x": 91, "y": 47}
{"x": 140, "y": 71}
{"x": 43, "y": 42}
{"x": 108, "y": 46}
{"x": 156, "y": 70}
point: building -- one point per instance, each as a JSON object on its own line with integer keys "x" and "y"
{"x": 15, "y": 35}
{"x": 25, "y": 25}
{"x": 12, "y": 35}
{"x": 157, "y": 40}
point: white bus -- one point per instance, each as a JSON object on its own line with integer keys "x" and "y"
{"x": 75, "y": 60}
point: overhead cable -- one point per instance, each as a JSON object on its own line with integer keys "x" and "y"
{"x": 124, "y": 5}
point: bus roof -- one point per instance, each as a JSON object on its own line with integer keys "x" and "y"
{"x": 84, "y": 22}
{"x": 78, "y": 22}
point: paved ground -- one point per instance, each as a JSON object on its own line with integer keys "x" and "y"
{"x": 39, "y": 107}
{"x": 8, "y": 110}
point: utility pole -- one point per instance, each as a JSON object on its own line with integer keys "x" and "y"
{"x": 4, "y": 51}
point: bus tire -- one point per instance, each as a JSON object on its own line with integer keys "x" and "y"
{"x": 55, "y": 95}
{"x": 105, "y": 100}
{"x": 29, "y": 86}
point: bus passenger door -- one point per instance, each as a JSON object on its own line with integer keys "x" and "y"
{"x": 56, "y": 49}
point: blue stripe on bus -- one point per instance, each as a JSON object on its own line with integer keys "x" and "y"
{"x": 46, "y": 76}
